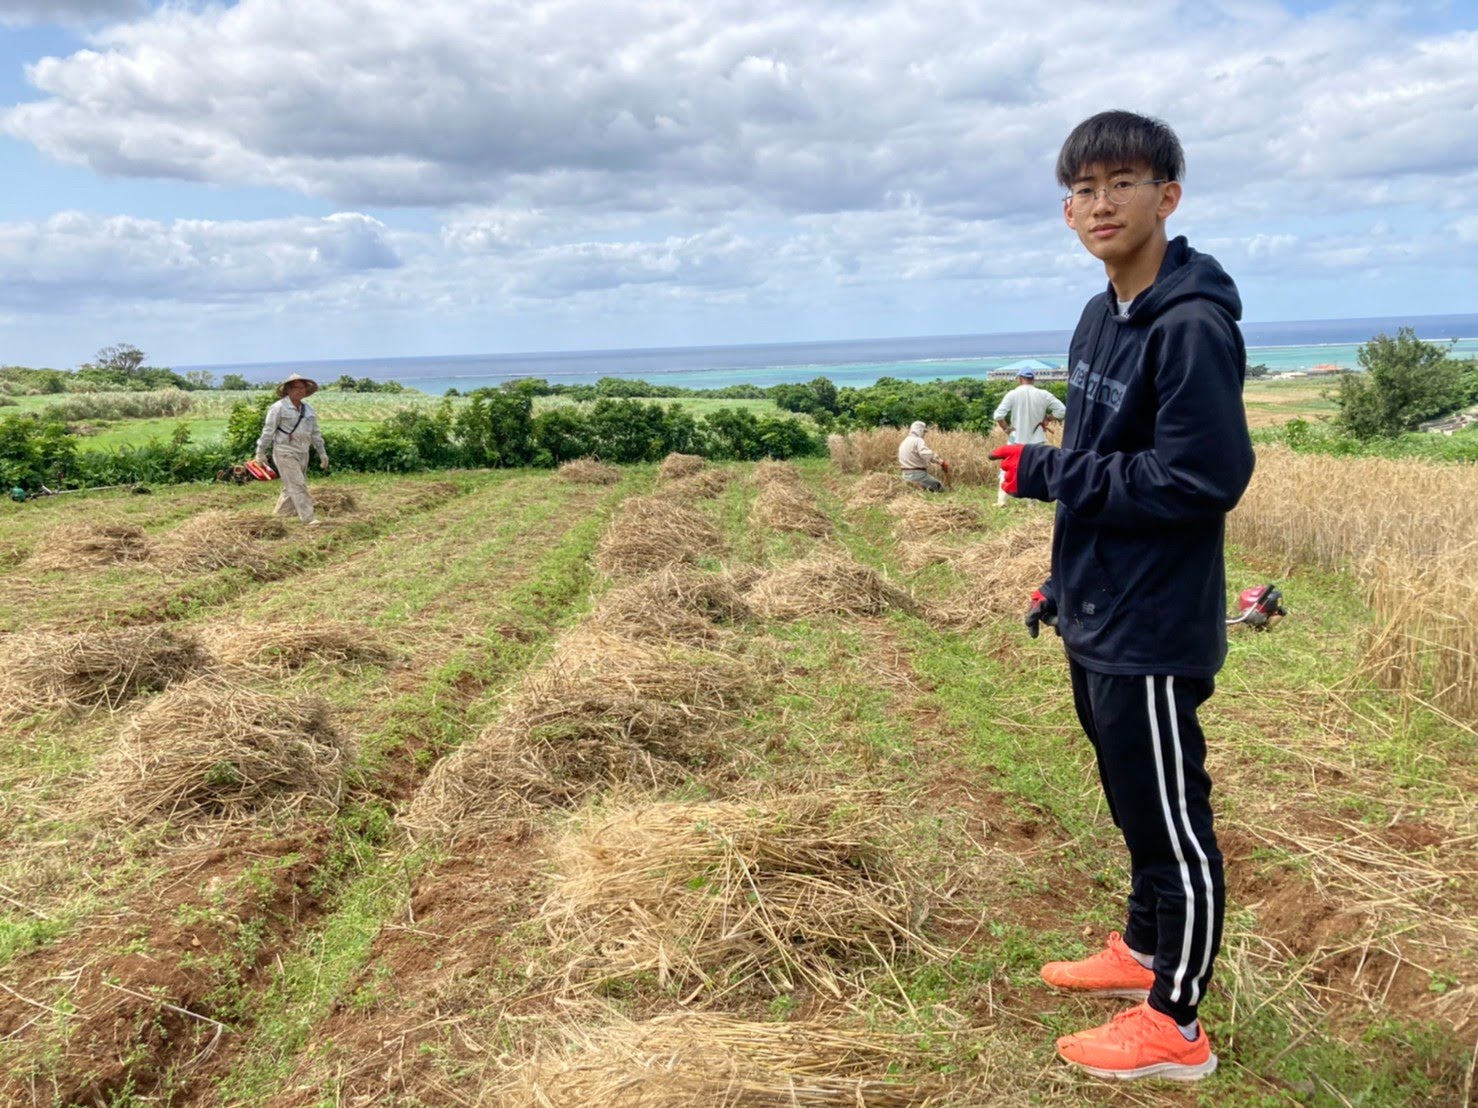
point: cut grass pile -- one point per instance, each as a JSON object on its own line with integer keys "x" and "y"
{"x": 286, "y": 646}
{"x": 96, "y": 669}
{"x": 334, "y": 501}
{"x": 681, "y": 465}
{"x": 703, "y": 485}
{"x": 783, "y": 506}
{"x": 74, "y": 545}
{"x": 874, "y": 489}
{"x": 1001, "y": 571}
{"x": 693, "y": 1058}
{"x": 221, "y": 540}
{"x": 208, "y": 749}
{"x": 589, "y": 471}
{"x": 650, "y": 532}
{"x": 788, "y": 890}
{"x": 926, "y": 517}
{"x": 608, "y": 710}
{"x": 771, "y": 472}
{"x": 678, "y": 604}
{"x": 824, "y": 584}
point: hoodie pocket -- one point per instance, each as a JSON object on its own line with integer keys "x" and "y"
{"x": 1092, "y": 592}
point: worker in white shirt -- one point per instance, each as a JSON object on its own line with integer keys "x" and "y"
{"x": 1024, "y": 413}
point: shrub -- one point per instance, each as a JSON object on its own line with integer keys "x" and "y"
{"x": 124, "y": 405}
{"x": 495, "y": 429}
{"x": 1405, "y": 382}
{"x": 34, "y": 452}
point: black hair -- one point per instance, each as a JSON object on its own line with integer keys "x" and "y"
{"x": 1117, "y": 137}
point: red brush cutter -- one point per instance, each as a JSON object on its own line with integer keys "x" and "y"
{"x": 1259, "y": 607}
{"x": 261, "y": 470}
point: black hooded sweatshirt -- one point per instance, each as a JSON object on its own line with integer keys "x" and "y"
{"x": 1155, "y": 452}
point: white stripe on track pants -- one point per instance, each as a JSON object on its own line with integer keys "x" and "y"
{"x": 1151, "y": 759}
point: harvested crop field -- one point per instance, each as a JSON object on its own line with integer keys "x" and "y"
{"x": 536, "y": 788}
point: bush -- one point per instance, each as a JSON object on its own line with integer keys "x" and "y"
{"x": 158, "y": 461}
{"x": 561, "y": 435}
{"x": 244, "y": 425}
{"x": 1405, "y": 382}
{"x": 124, "y": 405}
{"x": 740, "y": 435}
{"x": 19, "y": 381}
{"x": 630, "y": 431}
{"x": 495, "y": 429}
{"x": 34, "y": 452}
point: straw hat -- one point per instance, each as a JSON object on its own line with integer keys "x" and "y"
{"x": 312, "y": 385}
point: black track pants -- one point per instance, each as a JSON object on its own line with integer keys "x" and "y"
{"x": 1151, "y": 760}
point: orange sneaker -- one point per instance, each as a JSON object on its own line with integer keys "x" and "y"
{"x": 1139, "y": 1043}
{"x": 1113, "y": 971}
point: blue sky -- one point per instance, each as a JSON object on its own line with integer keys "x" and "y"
{"x": 271, "y": 180}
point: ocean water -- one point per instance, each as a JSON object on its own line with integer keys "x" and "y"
{"x": 1282, "y": 347}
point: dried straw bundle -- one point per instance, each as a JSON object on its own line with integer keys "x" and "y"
{"x": 922, "y": 518}
{"x": 284, "y": 646}
{"x": 563, "y": 739}
{"x": 703, "y": 485}
{"x": 208, "y": 749}
{"x": 89, "y": 544}
{"x": 783, "y": 889}
{"x": 785, "y": 507}
{"x": 589, "y": 471}
{"x": 650, "y": 532}
{"x": 218, "y": 540}
{"x": 93, "y": 669}
{"x": 914, "y": 556}
{"x": 334, "y": 502}
{"x": 676, "y": 604}
{"x": 826, "y": 583}
{"x": 432, "y": 493}
{"x": 680, "y": 465}
{"x": 875, "y": 489}
{"x": 704, "y": 682}
{"x": 771, "y": 472}
{"x": 1002, "y": 571}
{"x": 717, "y": 1061}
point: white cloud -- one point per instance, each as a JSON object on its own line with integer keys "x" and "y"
{"x": 73, "y": 257}
{"x": 650, "y": 159}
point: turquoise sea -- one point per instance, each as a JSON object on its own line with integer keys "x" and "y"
{"x": 1282, "y": 347}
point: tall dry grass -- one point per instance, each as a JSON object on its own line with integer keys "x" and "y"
{"x": 968, "y": 454}
{"x": 1408, "y": 531}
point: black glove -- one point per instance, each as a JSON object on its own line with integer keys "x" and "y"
{"x": 1043, "y": 610}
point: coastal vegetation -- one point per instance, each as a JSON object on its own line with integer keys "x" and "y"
{"x": 110, "y": 422}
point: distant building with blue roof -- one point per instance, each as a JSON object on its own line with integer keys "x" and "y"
{"x": 1043, "y": 371}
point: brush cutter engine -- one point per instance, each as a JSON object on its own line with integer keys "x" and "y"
{"x": 1259, "y": 607}
{"x": 260, "y": 471}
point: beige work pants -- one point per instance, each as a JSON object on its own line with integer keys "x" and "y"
{"x": 291, "y": 462}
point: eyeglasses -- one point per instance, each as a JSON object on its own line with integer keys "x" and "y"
{"x": 1120, "y": 192}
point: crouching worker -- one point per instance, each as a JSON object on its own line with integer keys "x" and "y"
{"x": 914, "y": 458}
{"x": 290, "y": 429}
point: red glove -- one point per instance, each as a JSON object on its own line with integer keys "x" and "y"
{"x": 1010, "y": 459}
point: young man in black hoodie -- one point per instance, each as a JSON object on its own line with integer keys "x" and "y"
{"x": 1155, "y": 452}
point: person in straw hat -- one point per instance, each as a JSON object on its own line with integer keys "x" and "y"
{"x": 291, "y": 427}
